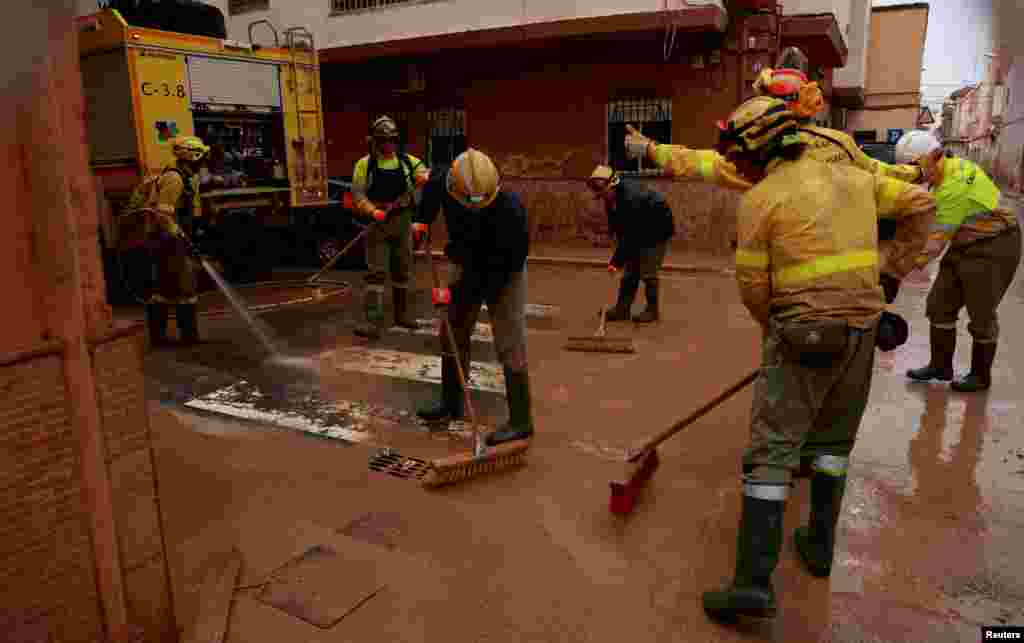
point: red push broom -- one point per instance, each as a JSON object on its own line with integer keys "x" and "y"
{"x": 642, "y": 461}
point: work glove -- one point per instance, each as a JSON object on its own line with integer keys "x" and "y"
{"x": 891, "y": 286}
{"x": 636, "y": 144}
{"x": 612, "y": 268}
{"x": 419, "y": 232}
{"x": 441, "y": 296}
{"x": 380, "y": 216}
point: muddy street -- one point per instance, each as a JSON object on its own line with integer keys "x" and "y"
{"x": 276, "y": 466}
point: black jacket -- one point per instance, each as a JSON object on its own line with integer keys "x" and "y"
{"x": 640, "y": 220}
{"x": 491, "y": 244}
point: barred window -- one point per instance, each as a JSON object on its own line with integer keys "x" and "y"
{"x": 651, "y": 116}
{"x": 447, "y": 137}
{"x": 352, "y": 6}
{"x": 236, "y": 7}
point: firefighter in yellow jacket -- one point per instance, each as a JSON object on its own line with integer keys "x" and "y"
{"x": 383, "y": 186}
{"x": 807, "y": 266}
{"x": 177, "y": 205}
{"x": 984, "y": 242}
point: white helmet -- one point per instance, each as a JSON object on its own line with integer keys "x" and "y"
{"x": 912, "y": 146}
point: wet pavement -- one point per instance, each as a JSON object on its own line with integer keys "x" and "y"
{"x": 926, "y": 550}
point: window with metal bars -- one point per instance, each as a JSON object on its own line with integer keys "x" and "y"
{"x": 351, "y": 6}
{"x": 447, "y": 136}
{"x": 651, "y": 116}
{"x": 236, "y": 7}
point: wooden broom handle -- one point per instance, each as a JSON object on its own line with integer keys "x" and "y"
{"x": 693, "y": 417}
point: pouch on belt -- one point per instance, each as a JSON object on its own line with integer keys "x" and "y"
{"x": 816, "y": 344}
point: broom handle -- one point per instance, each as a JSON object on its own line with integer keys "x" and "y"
{"x": 452, "y": 344}
{"x": 693, "y": 417}
{"x": 604, "y": 313}
{"x": 341, "y": 252}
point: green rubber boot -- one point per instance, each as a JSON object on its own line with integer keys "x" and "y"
{"x": 451, "y": 406}
{"x": 940, "y": 367}
{"x": 980, "y": 377}
{"x": 520, "y": 418}
{"x": 757, "y": 553}
{"x": 816, "y": 542}
{"x": 374, "y": 308}
{"x": 627, "y": 293}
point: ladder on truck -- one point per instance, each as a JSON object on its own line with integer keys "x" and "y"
{"x": 311, "y": 174}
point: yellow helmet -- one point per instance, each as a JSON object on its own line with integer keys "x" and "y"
{"x": 755, "y": 124}
{"x": 602, "y": 180}
{"x": 473, "y": 179}
{"x": 189, "y": 148}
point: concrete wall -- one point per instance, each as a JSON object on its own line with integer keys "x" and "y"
{"x": 858, "y": 37}
{"x": 1008, "y": 165}
{"x": 57, "y": 468}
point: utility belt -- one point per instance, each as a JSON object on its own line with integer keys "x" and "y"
{"x": 815, "y": 344}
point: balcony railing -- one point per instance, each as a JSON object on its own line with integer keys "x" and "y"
{"x": 356, "y": 6}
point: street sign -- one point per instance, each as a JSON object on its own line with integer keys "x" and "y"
{"x": 893, "y": 136}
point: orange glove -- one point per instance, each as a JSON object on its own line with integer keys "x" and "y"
{"x": 612, "y": 269}
{"x": 419, "y": 232}
{"x": 441, "y": 296}
{"x": 379, "y": 216}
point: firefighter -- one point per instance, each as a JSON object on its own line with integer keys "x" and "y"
{"x": 488, "y": 240}
{"x": 383, "y": 186}
{"x": 807, "y": 266}
{"x": 984, "y": 251}
{"x": 177, "y": 206}
{"x": 641, "y": 221}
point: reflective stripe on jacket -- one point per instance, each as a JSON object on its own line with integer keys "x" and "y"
{"x": 807, "y": 241}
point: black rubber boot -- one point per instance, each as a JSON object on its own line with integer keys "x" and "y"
{"x": 374, "y": 311}
{"x": 402, "y": 318}
{"x": 627, "y": 293}
{"x": 187, "y": 318}
{"x": 520, "y": 417}
{"x": 757, "y": 553}
{"x": 650, "y": 314}
{"x": 816, "y": 542}
{"x": 940, "y": 367}
{"x": 980, "y": 377}
{"x": 451, "y": 405}
{"x": 156, "y": 322}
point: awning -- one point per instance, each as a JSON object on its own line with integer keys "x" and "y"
{"x": 818, "y": 35}
{"x": 694, "y": 19}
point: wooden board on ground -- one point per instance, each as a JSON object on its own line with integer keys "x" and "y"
{"x": 321, "y": 587}
{"x": 215, "y": 596}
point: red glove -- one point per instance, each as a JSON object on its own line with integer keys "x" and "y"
{"x": 419, "y": 232}
{"x": 612, "y": 269}
{"x": 441, "y": 296}
{"x": 379, "y": 216}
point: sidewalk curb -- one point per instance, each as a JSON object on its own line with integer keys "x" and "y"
{"x": 581, "y": 262}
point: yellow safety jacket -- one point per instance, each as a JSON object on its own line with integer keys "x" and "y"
{"x": 968, "y": 208}
{"x": 825, "y": 145}
{"x": 807, "y": 241}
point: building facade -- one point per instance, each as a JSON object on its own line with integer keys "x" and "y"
{"x": 546, "y": 87}
{"x": 892, "y": 92}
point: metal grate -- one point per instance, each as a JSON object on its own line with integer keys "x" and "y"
{"x": 447, "y": 136}
{"x": 351, "y": 6}
{"x": 652, "y": 116}
{"x": 236, "y": 7}
{"x": 392, "y": 463}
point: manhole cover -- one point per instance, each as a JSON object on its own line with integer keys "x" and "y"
{"x": 392, "y": 463}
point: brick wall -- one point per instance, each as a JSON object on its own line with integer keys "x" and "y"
{"x": 121, "y": 392}
{"x": 46, "y": 568}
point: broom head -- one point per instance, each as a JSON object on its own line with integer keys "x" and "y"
{"x": 457, "y": 468}
{"x": 594, "y": 344}
{"x": 626, "y": 491}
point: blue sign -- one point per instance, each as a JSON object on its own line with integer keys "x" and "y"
{"x": 894, "y": 136}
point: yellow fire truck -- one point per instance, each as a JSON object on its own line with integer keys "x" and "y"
{"x": 258, "y": 107}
